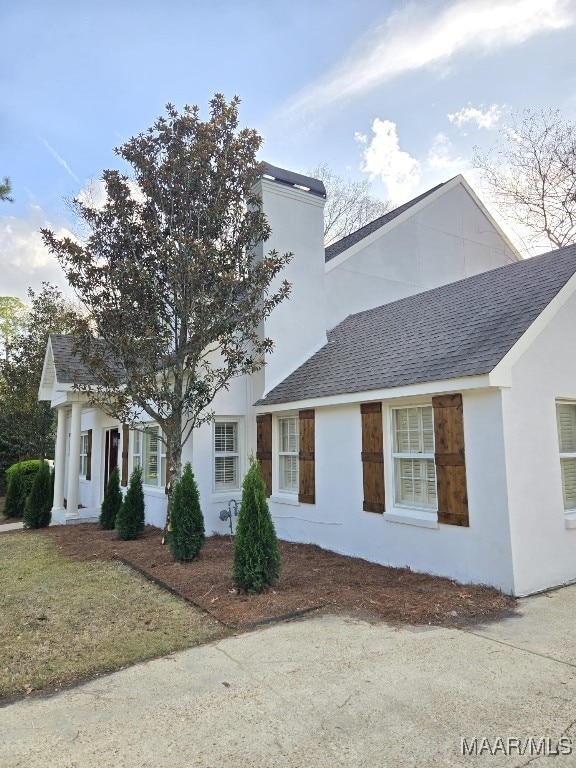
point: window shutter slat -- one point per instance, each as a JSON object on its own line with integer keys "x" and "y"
{"x": 306, "y": 458}
{"x": 89, "y": 456}
{"x": 125, "y": 440}
{"x": 372, "y": 457}
{"x": 450, "y": 460}
{"x": 264, "y": 448}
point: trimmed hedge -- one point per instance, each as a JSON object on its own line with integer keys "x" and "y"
{"x": 38, "y": 509}
{"x": 29, "y": 470}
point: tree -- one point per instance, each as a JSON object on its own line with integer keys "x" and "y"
{"x": 26, "y": 425}
{"x": 256, "y": 552}
{"x": 187, "y": 534}
{"x": 111, "y": 503}
{"x": 5, "y": 189}
{"x": 170, "y": 273}
{"x": 531, "y": 176}
{"x": 349, "y": 204}
{"x": 13, "y": 314}
{"x": 38, "y": 509}
{"x": 130, "y": 518}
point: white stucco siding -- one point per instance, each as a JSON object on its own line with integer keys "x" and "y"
{"x": 480, "y": 553}
{"x": 544, "y": 550}
{"x": 447, "y": 240}
{"x": 298, "y": 325}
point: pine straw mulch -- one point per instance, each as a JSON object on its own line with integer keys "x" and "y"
{"x": 311, "y": 579}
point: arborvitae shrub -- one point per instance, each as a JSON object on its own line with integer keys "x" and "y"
{"x": 38, "y": 509}
{"x": 130, "y": 518}
{"x": 111, "y": 502}
{"x": 186, "y": 521}
{"x": 256, "y": 552}
{"x": 15, "y": 495}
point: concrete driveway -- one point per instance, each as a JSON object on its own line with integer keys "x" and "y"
{"x": 329, "y": 691}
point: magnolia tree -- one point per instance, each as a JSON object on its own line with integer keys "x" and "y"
{"x": 169, "y": 273}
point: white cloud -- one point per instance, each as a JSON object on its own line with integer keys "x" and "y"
{"x": 382, "y": 156}
{"x": 441, "y": 155}
{"x": 419, "y": 36}
{"x": 93, "y": 194}
{"x": 488, "y": 118}
{"x": 60, "y": 160}
{"x": 26, "y": 262}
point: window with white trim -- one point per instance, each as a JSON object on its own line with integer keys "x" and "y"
{"x": 566, "y": 421}
{"x": 413, "y": 457}
{"x": 226, "y": 456}
{"x": 83, "y": 454}
{"x": 153, "y": 457}
{"x": 288, "y": 446}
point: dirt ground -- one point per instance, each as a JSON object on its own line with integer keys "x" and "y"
{"x": 311, "y": 579}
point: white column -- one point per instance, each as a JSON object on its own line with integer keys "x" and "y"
{"x": 74, "y": 464}
{"x": 59, "y": 462}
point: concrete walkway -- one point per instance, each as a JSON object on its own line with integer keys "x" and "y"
{"x": 329, "y": 691}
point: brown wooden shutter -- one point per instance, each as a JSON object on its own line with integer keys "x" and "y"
{"x": 125, "y": 441}
{"x": 306, "y": 463}
{"x": 264, "y": 448}
{"x": 372, "y": 457}
{"x": 450, "y": 460}
{"x": 89, "y": 457}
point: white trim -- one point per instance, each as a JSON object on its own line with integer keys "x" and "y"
{"x": 418, "y": 517}
{"x": 415, "y": 209}
{"x": 444, "y": 386}
{"x": 286, "y": 190}
{"x": 501, "y": 375}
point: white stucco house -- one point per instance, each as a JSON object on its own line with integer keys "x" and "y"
{"x": 419, "y": 408}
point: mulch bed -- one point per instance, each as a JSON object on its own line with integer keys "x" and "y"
{"x": 311, "y": 579}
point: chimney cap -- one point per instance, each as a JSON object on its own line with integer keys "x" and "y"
{"x": 297, "y": 180}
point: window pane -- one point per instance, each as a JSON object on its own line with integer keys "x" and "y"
{"x": 225, "y": 472}
{"x": 569, "y": 482}
{"x": 289, "y": 435}
{"x": 566, "y": 415}
{"x": 225, "y": 437}
{"x": 288, "y": 480}
{"x": 415, "y": 482}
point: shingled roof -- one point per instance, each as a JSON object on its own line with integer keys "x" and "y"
{"x": 460, "y": 329}
{"x": 69, "y": 367}
{"x": 347, "y": 242}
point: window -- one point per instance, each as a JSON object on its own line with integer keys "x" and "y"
{"x": 83, "y": 454}
{"x": 566, "y": 419}
{"x": 149, "y": 452}
{"x": 226, "y": 456}
{"x": 288, "y": 443}
{"x": 413, "y": 454}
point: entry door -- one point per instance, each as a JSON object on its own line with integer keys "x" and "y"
{"x": 110, "y": 453}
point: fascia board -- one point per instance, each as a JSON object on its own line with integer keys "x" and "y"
{"x": 501, "y": 375}
{"x": 413, "y": 390}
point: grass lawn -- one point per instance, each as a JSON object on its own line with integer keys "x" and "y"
{"x": 61, "y": 620}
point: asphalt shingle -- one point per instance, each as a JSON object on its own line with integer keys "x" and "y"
{"x": 460, "y": 329}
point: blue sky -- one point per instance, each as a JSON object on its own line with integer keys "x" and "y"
{"x": 398, "y": 92}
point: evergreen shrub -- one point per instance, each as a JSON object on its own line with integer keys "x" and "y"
{"x": 256, "y": 552}
{"x": 38, "y": 508}
{"x": 111, "y": 502}
{"x": 130, "y": 518}
{"x": 15, "y": 494}
{"x": 186, "y": 521}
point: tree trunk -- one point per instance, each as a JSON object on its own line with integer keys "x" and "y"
{"x": 173, "y": 464}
